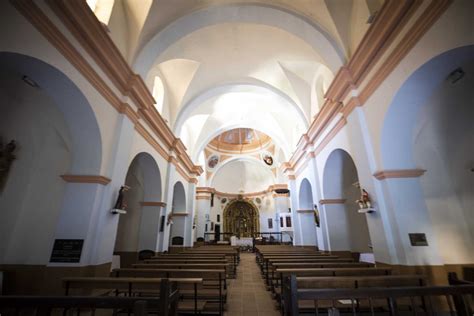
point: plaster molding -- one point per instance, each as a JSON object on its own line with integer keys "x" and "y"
{"x": 400, "y": 173}
{"x": 279, "y": 195}
{"x": 150, "y": 203}
{"x": 392, "y": 18}
{"x": 332, "y": 201}
{"x": 85, "y": 27}
{"x": 85, "y": 179}
{"x": 179, "y": 214}
{"x": 304, "y": 211}
{"x": 199, "y": 197}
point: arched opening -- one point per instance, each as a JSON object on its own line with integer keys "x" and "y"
{"x": 178, "y": 214}
{"x": 159, "y": 94}
{"x": 434, "y": 109}
{"x": 241, "y": 219}
{"x": 346, "y": 228}
{"x": 44, "y": 112}
{"x": 306, "y": 214}
{"x": 138, "y": 228}
{"x": 102, "y": 9}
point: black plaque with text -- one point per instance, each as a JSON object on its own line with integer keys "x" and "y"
{"x": 418, "y": 239}
{"x": 67, "y": 250}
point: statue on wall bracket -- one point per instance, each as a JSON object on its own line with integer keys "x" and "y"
{"x": 121, "y": 206}
{"x": 7, "y": 156}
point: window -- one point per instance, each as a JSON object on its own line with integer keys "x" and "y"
{"x": 102, "y": 9}
{"x": 205, "y": 229}
{"x": 288, "y": 221}
{"x": 281, "y": 221}
{"x": 159, "y": 94}
{"x": 270, "y": 223}
{"x": 218, "y": 218}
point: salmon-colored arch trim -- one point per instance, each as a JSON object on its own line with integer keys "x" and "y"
{"x": 85, "y": 179}
{"x": 402, "y": 173}
{"x": 332, "y": 201}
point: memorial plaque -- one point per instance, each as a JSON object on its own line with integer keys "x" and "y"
{"x": 67, "y": 250}
{"x": 418, "y": 239}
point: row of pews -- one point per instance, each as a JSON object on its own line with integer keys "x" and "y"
{"x": 190, "y": 282}
{"x": 303, "y": 280}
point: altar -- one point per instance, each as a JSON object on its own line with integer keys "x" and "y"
{"x": 244, "y": 241}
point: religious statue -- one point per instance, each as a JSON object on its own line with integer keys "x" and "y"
{"x": 316, "y": 215}
{"x": 7, "y": 156}
{"x": 121, "y": 204}
{"x": 364, "y": 201}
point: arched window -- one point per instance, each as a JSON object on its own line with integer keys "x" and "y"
{"x": 102, "y": 9}
{"x": 159, "y": 94}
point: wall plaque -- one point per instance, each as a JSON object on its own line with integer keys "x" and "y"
{"x": 67, "y": 250}
{"x": 418, "y": 239}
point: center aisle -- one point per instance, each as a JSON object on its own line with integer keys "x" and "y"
{"x": 247, "y": 294}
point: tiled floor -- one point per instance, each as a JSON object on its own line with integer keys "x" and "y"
{"x": 247, "y": 294}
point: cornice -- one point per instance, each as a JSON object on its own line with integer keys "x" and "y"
{"x": 400, "y": 173}
{"x": 150, "y": 203}
{"x": 71, "y": 178}
{"x": 305, "y": 211}
{"x": 85, "y": 27}
{"x": 204, "y": 193}
{"x": 392, "y": 18}
{"x": 332, "y": 201}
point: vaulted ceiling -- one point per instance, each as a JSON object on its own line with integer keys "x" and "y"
{"x": 217, "y": 65}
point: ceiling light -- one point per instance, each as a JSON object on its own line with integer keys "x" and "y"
{"x": 29, "y": 81}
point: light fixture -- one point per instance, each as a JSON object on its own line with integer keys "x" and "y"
{"x": 455, "y": 75}
{"x": 29, "y": 81}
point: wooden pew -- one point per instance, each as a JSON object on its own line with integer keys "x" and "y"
{"x": 213, "y": 266}
{"x": 130, "y": 286}
{"x": 333, "y": 264}
{"x": 293, "y": 295}
{"x": 352, "y": 282}
{"x": 280, "y": 274}
{"x": 213, "y": 287}
{"x": 44, "y": 305}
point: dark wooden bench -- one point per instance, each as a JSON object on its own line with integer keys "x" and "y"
{"x": 293, "y": 295}
{"x": 213, "y": 288}
{"x": 48, "y": 305}
{"x": 352, "y": 282}
{"x": 280, "y": 274}
{"x": 133, "y": 286}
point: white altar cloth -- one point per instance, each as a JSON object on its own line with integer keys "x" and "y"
{"x": 244, "y": 241}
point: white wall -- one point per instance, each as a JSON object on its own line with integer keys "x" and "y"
{"x": 32, "y": 196}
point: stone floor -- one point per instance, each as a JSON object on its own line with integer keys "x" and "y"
{"x": 247, "y": 294}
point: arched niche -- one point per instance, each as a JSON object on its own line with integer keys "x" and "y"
{"x": 306, "y": 214}
{"x": 429, "y": 127}
{"x": 56, "y": 133}
{"x": 138, "y": 228}
{"x": 179, "y": 213}
{"x": 346, "y": 228}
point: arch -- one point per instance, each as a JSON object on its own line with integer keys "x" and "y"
{"x": 248, "y": 85}
{"x": 346, "y": 228}
{"x": 403, "y": 113}
{"x": 245, "y": 159}
{"x": 138, "y": 229}
{"x": 306, "y": 195}
{"x": 46, "y": 114}
{"x": 428, "y": 126}
{"x": 71, "y": 102}
{"x": 179, "y": 198}
{"x": 178, "y": 226}
{"x": 291, "y": 22}
{"x": 307, "y": 224}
